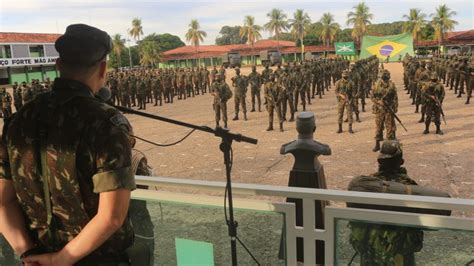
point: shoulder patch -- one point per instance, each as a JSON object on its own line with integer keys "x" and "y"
{"x": 119, "y": 120}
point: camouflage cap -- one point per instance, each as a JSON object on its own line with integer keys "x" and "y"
{"x": 390, "y": 149}
{"x": 83, "y": 45}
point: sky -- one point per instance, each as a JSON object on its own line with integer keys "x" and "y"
{"x": 166, "y": 16}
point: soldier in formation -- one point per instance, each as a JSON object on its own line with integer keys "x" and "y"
{"x": 274, "y": 96}
{"x": 240, "y": 84}
{"x": 344, "y": 95}
{"x": 385, "y": 106}
{"x": 222, "y": 93}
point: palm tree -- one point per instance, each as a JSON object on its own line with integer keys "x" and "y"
{"x": 118, "y": 47}
{"x": 195, "y": 35}
{"x": 149, "y": 54}
{"x": 299, "y": 24}
{"x": 359, "y": 18}
{"x": 415, "y": 22}
{"x": 277, "y": 23}
{"x": 442, "y": 22}
{"x": 251, "y": 31}
{"x": 136, "y": 30}
{"x": 329, "y": 28}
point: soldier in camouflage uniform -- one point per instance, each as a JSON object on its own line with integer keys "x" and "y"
{"x": 255, "y": 80}
{"x": 433, "y": 92}
{"x": 463, "y": 76}
{"x": 470, "y": 83}
{"x": 384, "y": 97}
{"x": 288, "y": 92}
{"x": 157, "y": 89}
{"x": 27, "y": 93}
{"x": 379, "y": 244}
{"x": 222, "y": 93}
{"x": 240, "y": 84}
{"x": 6, "y": 100}
{"x": 344, "y": 94}
{"x": 17, "y": 97}
{"x": 212, "y": 76}
{"x": 141, "y": 92}
{"x": 80, "y": 146}
{"x": 266, "y": 74}
{"x": 273, "y": 92}
{"x": 422, "y": 76}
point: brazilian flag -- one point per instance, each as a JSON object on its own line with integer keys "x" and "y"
{"x": 382, "y": 47}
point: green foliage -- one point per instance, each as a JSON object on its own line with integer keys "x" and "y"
{"x": 136, "y": 30}
{"x": 164, "y": 41}
{"x": 386, "y": 28}
{"x": 194, "y": 35}
{"x": 277, "y": 24}
{"x": 442, "y": 21}
{"x": 124, "y": 58}
{"x": 284, "y": 36}
{"x": 149, "y": 53}
{"x": 230, "y": 35}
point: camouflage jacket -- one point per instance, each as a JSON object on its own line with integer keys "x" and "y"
{"x": 86, "y": 152}
{"x": 273, "y": 92}
{"x": 240, "y": 82}
{"x": 221, "y": 92}
{"x": 344, "y": 90}
{"x": 255, "y": 80}
{"x": 386, "y": 92}
{"x": 433, "y": 89}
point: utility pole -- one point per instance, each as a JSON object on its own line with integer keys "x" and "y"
{"x": 129, "y": 53}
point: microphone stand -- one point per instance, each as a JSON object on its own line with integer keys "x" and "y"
{"x": 226, "y": 147}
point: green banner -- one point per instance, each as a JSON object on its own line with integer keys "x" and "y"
{"x": 387, "y": 46}
{"x": 345, "y": 48}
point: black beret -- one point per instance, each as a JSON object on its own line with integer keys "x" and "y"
{"x": 83, "y": 45}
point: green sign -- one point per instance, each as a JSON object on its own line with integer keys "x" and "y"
{"x": 193, "y": 253}
{"x": 345, "y": 48}
{"x": 387, "y": 46}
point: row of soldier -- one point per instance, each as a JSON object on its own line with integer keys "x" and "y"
{"x": 22, "y": 94}
{"x": 283, "y": 89}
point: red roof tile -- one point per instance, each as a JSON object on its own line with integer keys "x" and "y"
{"x": 16, "y": 37}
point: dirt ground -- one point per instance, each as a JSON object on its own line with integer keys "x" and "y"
{"x": 441, "y": 162}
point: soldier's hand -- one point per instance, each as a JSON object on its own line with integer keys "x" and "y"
{"x": 49, "y": 259}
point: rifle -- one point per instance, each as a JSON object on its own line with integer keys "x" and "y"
{"x": 438, "y": 103}
{"x": 387, "y": 107}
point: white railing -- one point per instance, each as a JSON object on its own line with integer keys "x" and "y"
{"x": 202, "y": 189}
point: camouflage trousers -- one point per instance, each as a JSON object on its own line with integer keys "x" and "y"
{"x": 271, "y": 108}
{"x": 470, "y": 85}
{"x": 126, "y": 100}
{"x": 287, "y": 100}
{"x": 432, "y": 112}
{"x": 385, "y": 120}
{"x": 300, "y": 93}
{"x": 141, "y": 98}
{"x": 341, "y": 106}
{"x": 239, "y": 100}
{"x": 463, "y": 79}
{"x": 220, "y": 108}
{"x": 255, "y": 94}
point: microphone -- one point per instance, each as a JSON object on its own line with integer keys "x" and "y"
{"x": 104, "y": 94}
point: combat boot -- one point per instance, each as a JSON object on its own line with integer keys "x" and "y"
{"x": 350, "y": 129}
{"x": 225, "y": 125}
{"x": 340, "y": 129}
{"x": 427, "y": 129}
{"x": 422, "y": 119}
{"x": 357, "y": 118}
{"x": 377, "y": 146}
{"x": 363, "y": 108}
{"x": 236, "y": 117}
{"x": 259, "y": 109}
{"x": 438, "y": 130}
{"x": 416, "y": 109}
{"x": 467, "y": 101}
{"x": 245, "y": 116}
{"x": 217, "y": 124}
{"x": 281, "y": 127}
{"x": 270, "y": 127}
{"x": 253, "y": 109}
{"x": 459, "y": 95}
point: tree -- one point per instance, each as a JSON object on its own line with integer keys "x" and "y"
{"x": 329, "y": 29}
{"x": 149, "y": 54}
{"x": 230, "y": 35}
{"x": 415, "y": 22}
{"x": 299, "y": 24}
{"x": 359, "y": 19}
{"x": 118, "y": 46}
{"x": 277, "y": 23}
{"x": 442, "y": 22}
{"x": 194, "y": 35}
{"x": 136, "y": 30}
{"x": 164, "y": 41}
{"x": 251, "y": 32}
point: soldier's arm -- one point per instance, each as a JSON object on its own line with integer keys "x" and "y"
{"x": 12, "y": 220}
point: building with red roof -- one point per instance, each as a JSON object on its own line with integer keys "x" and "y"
{"x": 27, "y": 56}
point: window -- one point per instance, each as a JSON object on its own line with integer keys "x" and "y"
{"x": 36, "y": 51}
{"x": 5, "y": 51}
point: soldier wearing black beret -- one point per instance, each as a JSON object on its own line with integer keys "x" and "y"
{"x": 65, "y": 165}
